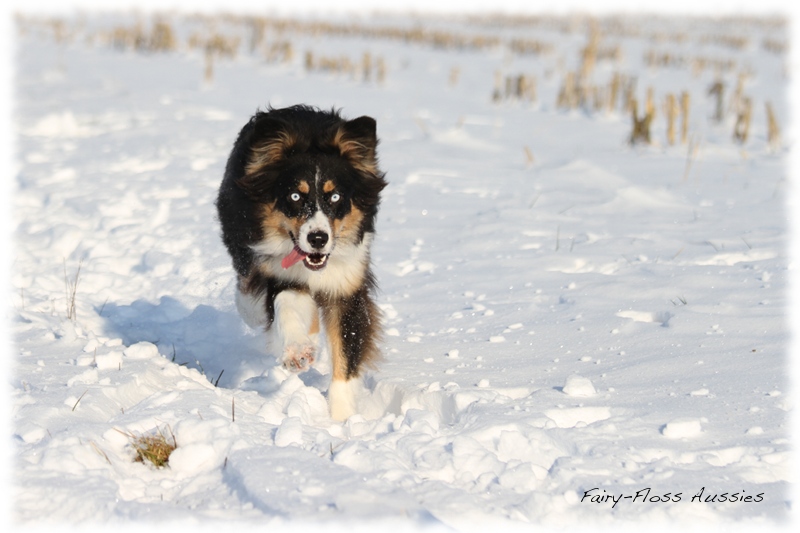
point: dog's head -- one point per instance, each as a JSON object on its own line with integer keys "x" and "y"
{"x": 316, "y": 178}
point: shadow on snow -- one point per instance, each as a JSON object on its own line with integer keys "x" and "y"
{"x": 216, "y": 343}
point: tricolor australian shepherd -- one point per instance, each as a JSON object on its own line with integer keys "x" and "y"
{"x": 297, "y": 207}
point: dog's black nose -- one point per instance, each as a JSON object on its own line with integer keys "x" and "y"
{"x": 317, "y": 239}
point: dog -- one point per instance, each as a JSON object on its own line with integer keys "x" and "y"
{"x": 297, "y": 207}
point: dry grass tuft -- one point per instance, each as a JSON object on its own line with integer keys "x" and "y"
{"x": 641, "y": 125}
{"x": 71, "y": 288}
{"x": 775, "y": 46}
{"x": 569, "y": 94}
{"x": 520, "y": 87}
{"x": 154, "y": 448}
{"x": 717, "y": 90}
{"x": 368, "y": 68}
{"x": 160, "y": 38}
{"x": 279, "y": 52}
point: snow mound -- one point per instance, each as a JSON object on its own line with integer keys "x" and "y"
{"x": 141, "y": 350}
{"x": 682, "y": 428}
{"x": 578, "y": 386}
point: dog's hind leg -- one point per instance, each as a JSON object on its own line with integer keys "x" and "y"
{"x": 295, "y": 317}
{"x": 251, "y": 306}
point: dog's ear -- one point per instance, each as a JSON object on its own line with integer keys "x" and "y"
{"x": 270, "y": 142}
{"x": 271, "y": 147}
{"x": 357, "y": 141}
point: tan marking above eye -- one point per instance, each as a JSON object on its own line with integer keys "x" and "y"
{"x": 328, "y": 186}
{"x": 303, "y": 187}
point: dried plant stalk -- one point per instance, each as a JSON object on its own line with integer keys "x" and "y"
{"x": 455, "y": 73}
{"x": 613, "y": 90}
{"x": 498, "y": 82}
{"x": 366, "y": 65}
{"x": 568, "y": 95}
{"x": 738, "y": 94}
{"x": 684, "y": 116}
{"x": 773, "y": 130}
{"x": 717, "y": 89}
{"x": 380, "y": 67}
{"x": 209, "y": 63}
{"x": 741, "y": 129}
{"x": 671, "y": 111}
{"x": 529, "y": 159}
{"x": 628, "y": 95}
{"x": 650, "y": 106}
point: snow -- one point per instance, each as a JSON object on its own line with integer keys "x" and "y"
{"x": 578, "y": 386}
{"x": 596, "y": 321}
{"x": 682, "y": 428}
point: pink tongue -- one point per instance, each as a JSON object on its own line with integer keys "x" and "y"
{"x": 294, "y": 256}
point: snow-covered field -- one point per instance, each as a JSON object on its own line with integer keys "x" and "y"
{"x": 578, "y": 331}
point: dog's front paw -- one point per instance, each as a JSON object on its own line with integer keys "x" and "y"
{"x": 298, "y": 357}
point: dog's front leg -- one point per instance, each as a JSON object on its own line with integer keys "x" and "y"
{"x": 352, "y": 326}
{"x": 295, "y": 326}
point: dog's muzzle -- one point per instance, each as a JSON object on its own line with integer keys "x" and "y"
{"x": 311, "y": 260}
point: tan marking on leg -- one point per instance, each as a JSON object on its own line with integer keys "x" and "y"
{"x": 333, "y": 331}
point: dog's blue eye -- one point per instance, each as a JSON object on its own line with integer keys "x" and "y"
{"x": 335, "y": 197}
{"x": 295, "y": 197}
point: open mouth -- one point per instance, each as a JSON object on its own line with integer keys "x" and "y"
{"x": 315, "y": 261}
{"x": 310, "y": 261}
